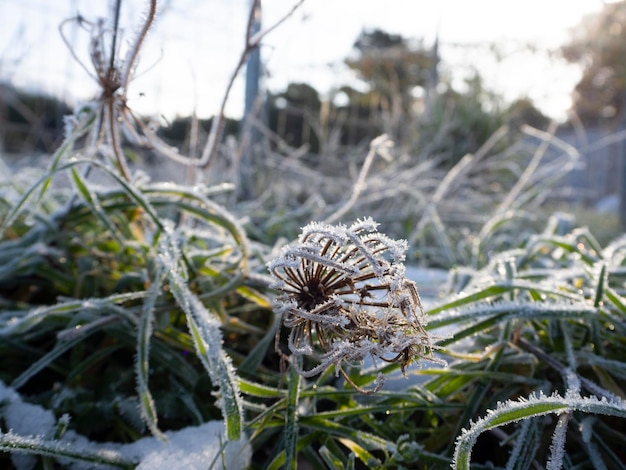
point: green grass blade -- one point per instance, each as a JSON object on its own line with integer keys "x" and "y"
{"x": 10, "y": 442}
{"x": 222, "y": 374}
{"x": 366, "y": 457}
{"x": 291, "y": 420}
{"x": 616, "y": 300}
{"x": 511, "y": 412}
{"x": 23, "y": 322}
{"x": 497, "y": 289}
{"x": 142, "y": 361}
{"x": 91, "y": 200}
{"x": 258, "y": 390}
{"x": 207, "y": 336}
{"x": 332, "y": 461}
{"x": 45, "y": 361}
{"x": 602, "y": 284}
{"x": 205, "y": 329}
{"x": 364, "y": 439}
{"x": 569, "y": 247}
{"x": 527, "y": 441}
{"x": 557, "y": 449}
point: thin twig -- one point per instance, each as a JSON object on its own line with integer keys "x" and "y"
{"x": 217, "y": 125}
{"x": 133, "y": 54}
{"x": 80, "y": 21}
{"x": 377, "y": 146}
{"x": 116, "y": 27}
{"x": 530, "y": 169}
{"x": 115, "y": 140}
{"x": 256, "y": 39}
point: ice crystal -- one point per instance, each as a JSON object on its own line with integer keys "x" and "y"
{"x": 344, "y": 296}
{"x": 557, "y": 448}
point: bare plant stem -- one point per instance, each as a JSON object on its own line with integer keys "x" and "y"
{"x": 359, "y": 186}
{"x": 137, "y": 43}
{"x": 115, "y": 140}
{"x": 252, "y": 41}
{"x": 523, "y": 180}
{"x": 116, "y": 25}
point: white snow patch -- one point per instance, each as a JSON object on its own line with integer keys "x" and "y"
{"x": 429, "y": 282}
{"x": 191, "y": 448}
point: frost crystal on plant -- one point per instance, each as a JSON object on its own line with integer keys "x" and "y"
{"x": 344, "y": 297}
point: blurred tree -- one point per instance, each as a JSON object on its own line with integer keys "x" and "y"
{"x": 395, "y": 69}
{"x": 524, "y": 111}
{"x": 599, "y": 45}
{"x": 293, "y": 113}
{"x": 391, "y": 64}
{"x": 404, "y": 98}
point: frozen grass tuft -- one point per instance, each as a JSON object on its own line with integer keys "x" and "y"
{"x": 136, "y": 324}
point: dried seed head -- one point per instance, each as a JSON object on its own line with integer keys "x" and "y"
{"x": 344, "y": 296}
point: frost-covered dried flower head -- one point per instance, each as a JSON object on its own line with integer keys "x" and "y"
{"x": 344, "y": 296}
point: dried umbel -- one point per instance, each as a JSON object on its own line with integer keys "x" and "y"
{"x": 113, "y": 75}
{"x": 344, "y": 296}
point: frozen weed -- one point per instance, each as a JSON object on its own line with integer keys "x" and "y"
{"x": 344, "y": 296}
{"x": 113, "y": 75}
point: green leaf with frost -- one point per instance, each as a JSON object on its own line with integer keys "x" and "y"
{"x": 511, "y": 412}
{"x": 207, "y": 335}
{"x": 142, "y": 361}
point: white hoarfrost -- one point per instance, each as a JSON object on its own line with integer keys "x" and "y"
{"x": 344, "y": 297}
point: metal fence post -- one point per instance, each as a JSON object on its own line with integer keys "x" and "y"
{"x": 248, "y": 130}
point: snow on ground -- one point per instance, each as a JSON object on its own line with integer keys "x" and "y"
{"x": 191, "y": 448}
{"x": 429, "y": 282}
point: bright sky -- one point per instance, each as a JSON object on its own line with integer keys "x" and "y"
{"x": 194, "y": 46}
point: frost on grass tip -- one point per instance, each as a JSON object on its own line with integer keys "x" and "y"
{"x": 344, "y": 296}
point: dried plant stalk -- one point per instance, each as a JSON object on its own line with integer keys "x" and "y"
{"x": 113, "y": 75}
{"x": 344, "y": 296}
